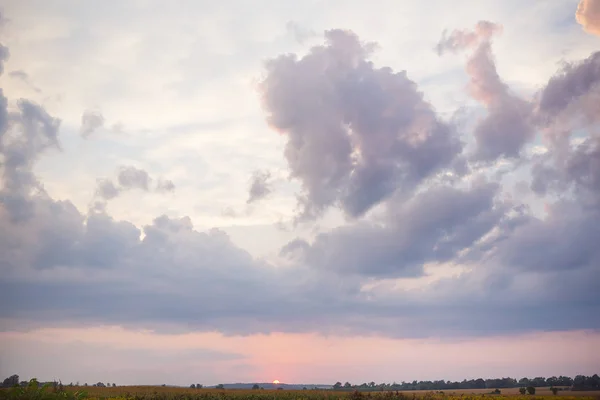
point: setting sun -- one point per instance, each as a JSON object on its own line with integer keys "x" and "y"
{"x": 275, "y": 382}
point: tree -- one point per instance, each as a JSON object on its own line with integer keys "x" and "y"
{"x": 192, "y": 386}
{"x": 199, "y": 386}
{"x": 12, "y": 380}
{"x": 530, "y": 390}
{"x": 554, "y": 390}
{"x": 522, "y": 390}
{"x": 114, "y": 385}
{"x": 337, "y": 386}
{"x": 220, "y": 386}
{"x": 255, "y": 387}
{"x": 347, "y": 385}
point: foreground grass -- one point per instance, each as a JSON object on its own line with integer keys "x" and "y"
{"x": 170, "y": 393}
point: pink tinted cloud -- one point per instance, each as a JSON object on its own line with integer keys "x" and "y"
{"x": 588, "y": 15}
{"x": 507, "y": 126}
{"x": 210, "y": 358}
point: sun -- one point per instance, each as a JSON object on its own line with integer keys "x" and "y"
{"x": 275, "y": 382}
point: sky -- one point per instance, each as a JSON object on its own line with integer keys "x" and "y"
{"x": 243, "y": 191}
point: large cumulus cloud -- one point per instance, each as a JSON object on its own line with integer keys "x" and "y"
{"x": 355, "y": 133}
{"x": 360, "y": 138}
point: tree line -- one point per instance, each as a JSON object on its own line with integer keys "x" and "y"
{"x": 13, "y": 380}
{"x": 580, "y": 382}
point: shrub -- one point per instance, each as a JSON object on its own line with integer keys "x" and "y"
{"x": 530, "y": 390}
{"x": 522, "y": 390}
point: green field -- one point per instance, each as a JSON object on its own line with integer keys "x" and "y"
{"x": 35, "y": 392}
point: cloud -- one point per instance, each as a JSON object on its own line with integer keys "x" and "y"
{"x": 299, "y": 33}
{"x": 107, "y": 189}
{"x": 165, "y": 185}
{"x": 26, "y": 134}
{"x": 259, "y": 186}
{"x": 22, "y": 75}
{"x": 434, "y": 226}
{"x": 588, "y": 15}
{"x": 359, "y": 138}
{"x": 572, "y": 93}
{"x": 507, "y": 127}
{"x": 4, "y": 55}
{"x": 130, "y": 177}
{"x": 90, "y": 122}
{"x": 568, "y": 105}
{"x": 459, "y": 40}
{"x": 355, "y": 133}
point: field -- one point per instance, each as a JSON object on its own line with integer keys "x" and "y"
{"x": 174, "y": 393}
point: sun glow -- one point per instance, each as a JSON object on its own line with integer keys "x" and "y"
{"x": 275, "y": 382}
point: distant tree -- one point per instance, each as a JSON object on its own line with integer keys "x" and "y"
{"x": 114, "y": 385}
{"x": 539, "y": 381}
{"x": 220, "y": 386}
{"x": 255, "y": 387}
{"x": 12, "y": 380}
{"x": 372, "y": 384}
{"x": 347, "y": 385}
{"x": 522, "y": 390}
{"x": 338, "y": 385}
{"x": 279, "y": 388}
{"x": 100, "y": 384}
{"x": 554, "y": 390}
{"x": 530, "y": 389}
{"x": 192, "y": 386}
{"x": 304, "y": 388}
{"x": 85, "y": 384}
{"x": 198, "y": 386}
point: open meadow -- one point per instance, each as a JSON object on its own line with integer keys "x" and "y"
{"x": 180, "y": 393}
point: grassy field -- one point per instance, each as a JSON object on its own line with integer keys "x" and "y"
{"x": 168, "y": 393}
{"x": 171, "y": 393}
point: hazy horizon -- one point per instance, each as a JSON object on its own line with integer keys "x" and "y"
{"x": 315, "y": 191}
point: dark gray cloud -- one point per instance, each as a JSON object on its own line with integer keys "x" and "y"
{"x": 26, "y": 133}
{"x": 508, "y": 125}
{"x": 434, "y": 226}
{"x": 575, "y": 171}
{"x": 260, "y": 186}
{"x": 90, "y": 121}
{"x": 355, "y": 133}
{"x": 4, "y": 55}
{"x": 130, "y": 177}
{"x": 574, "y": 92}
{"x": 568, "y": 106}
